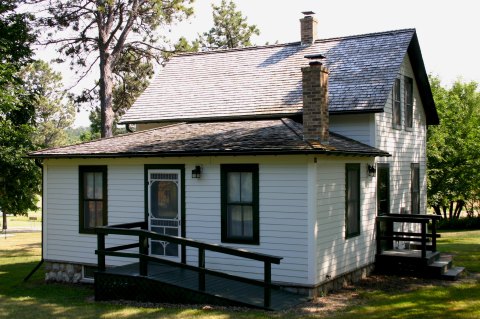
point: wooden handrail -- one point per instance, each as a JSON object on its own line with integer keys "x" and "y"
{"x": 423, "y": 220}
{"x": 143, "y": 237}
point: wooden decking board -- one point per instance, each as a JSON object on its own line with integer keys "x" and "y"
{"x": 225, "y": 289}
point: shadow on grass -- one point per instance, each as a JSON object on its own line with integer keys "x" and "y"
{"x": 37, "y": 299}
{"x": 450, "y": 301}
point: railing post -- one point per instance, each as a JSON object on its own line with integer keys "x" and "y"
{"x": 201, "y": 269}
{"x": 434, "y": 235}
{"x": 143, "y": 250}
{"x": 101, "y": 251}
{"x": 379, "y": 241}
{"x": 424, "y": 239}
{"x": 267, "y": 284}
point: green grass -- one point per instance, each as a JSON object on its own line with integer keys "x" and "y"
{"x": 397, "y": 298}
{"x": 464, "y": 245}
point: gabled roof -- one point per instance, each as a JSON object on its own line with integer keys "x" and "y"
{"x": 265, "y": 82}
{"x": 263, "y": 137}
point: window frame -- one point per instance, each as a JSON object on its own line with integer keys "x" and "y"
{"x": 414, "y": 167}
{"x": 383, "y": 167}
{"x": 230, "y": 168}
{"x": 356, "y": 169}
{"x": 397, "y": 103}
{"x": 82, "y": 171}
{"x": 408, "y": 84}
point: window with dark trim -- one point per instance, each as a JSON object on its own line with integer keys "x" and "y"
{"x": 352, "y": 199}
{"x": 240, "y": 198}
{"x": 396, "y": 105}
{"x": 408, "y": 85}
{"x": 383, "y": 189}
{"x": 93, "y": 197}
{"x": 415, "y": 188}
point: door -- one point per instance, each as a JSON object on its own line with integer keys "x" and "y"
{"x": 164, "y": 210}
{"x": 383, "y": 202}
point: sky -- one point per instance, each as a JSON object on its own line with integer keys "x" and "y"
{"x": 448, "y": 31}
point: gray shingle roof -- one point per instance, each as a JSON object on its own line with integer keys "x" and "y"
{"x": 280, "y": 136}
{"x": 266, "y": 81}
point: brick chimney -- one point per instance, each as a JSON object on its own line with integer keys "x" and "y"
{"x": 308, "y": 28}
{"x": 315, "y": 100}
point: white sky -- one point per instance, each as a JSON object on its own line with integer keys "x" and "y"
{"x": 448, "y": 31}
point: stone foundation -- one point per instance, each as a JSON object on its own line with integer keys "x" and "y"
{"x": 63, "y": 272}
{"x": 335, "y": 283}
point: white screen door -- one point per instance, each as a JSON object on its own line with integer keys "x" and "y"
{"x": 164, "y": 210}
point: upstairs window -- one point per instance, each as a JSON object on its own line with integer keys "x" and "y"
{"x": 240, "y": 213}
{"x": 93, "y": 197}
{"x": 396, "y": 105}
{"x": 408, "y": 102}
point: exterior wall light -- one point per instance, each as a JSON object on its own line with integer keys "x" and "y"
{"x": 197, "y": 172}
{"x": 372, "y": 171}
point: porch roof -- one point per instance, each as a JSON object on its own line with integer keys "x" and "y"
{"x": 261, "y": 137}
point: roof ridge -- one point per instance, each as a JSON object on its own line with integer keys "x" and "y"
{"x": 367, "y": 35}
{"x": 297, "y": 43}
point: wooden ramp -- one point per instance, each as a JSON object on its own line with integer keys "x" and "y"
{"x": 176, "y": 284}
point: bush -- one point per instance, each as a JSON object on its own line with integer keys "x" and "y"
{"x": 460, "y": 223}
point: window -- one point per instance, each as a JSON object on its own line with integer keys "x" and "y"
{"x": 415, "y": 191}
{"x": 383, "y": 189}
{"x": 396, "y": 106}
{"x": 352, "y": 200}
{"x": 240, "y": 217}
{"x": 408, "y": 102}
{"x": 93, "y": 197}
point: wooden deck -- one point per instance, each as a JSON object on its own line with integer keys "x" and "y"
{"x": 170, "y": 283}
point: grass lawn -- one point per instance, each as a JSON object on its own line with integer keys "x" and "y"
{"x": 377, "y": 297}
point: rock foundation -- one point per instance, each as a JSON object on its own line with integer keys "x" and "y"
{"x": 62, "y": 272}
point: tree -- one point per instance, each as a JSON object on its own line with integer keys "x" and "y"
{"x": 109, "y": 30}
{"x": 230, "y": 28}
{"x": 133, "y": 74}
{"x": 54, "y": 110}
{"x": 20, "y": 176}
{"x": 453, "y": 148}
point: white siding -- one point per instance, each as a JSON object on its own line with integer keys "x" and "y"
{"x": 360, "y": 127}
{"x": 336, "y": 254}
{"x": 283, "y": 211}
{"x": 405, "y": 146}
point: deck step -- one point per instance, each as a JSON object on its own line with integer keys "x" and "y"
{"x": 453, "y": 273}
{"x": 438, "y": 267}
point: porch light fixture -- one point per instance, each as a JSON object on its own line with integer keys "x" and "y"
{"x": 196, "y": 172}
{"x": 372, "y": 171}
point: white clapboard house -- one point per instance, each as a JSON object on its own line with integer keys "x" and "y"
{"x": 287, "y": 150}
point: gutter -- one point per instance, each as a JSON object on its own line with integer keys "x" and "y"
{"x": 40, "y": 165}
{"x": 212, "y": 153}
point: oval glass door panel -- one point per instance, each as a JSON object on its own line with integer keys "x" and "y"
{"x": 164, "y": 210}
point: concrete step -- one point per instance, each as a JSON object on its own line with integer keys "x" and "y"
{"x": 438, "y": 268}
{"x": 453, "y": 273}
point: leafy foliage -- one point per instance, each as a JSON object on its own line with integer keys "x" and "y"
{"x": 454, "y": 148}
{"x": 54, "y": 110}
{"x": 230, "y": 29}
{"x": 106, "y": 33}
{"x": 17, "y": 114}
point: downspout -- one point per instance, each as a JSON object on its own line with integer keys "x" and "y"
{"x": 40, "y": 165}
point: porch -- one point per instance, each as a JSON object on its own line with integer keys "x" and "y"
{"x": 415, "y": 253}
{"x": 154, "y": 279}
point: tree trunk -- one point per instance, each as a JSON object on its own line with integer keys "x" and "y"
{"x": 444, "y": 208}
{"x": 4, "y": 222}
{"x": 450, "y": 210}
{"x": 459, "y": 208}
{"x": 106, "y": 95}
